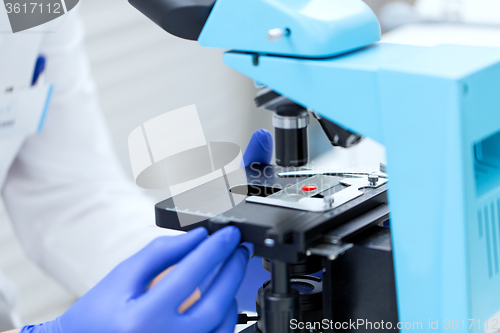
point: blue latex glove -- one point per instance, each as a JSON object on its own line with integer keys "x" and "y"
{"x": 122, "y": 302}
{"x": 259, "y": 149}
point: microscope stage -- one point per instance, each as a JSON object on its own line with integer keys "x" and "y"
{"x": 270, "y": 218}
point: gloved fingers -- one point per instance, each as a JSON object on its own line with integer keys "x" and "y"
{"x": 230, "y": 320}
{"x": 210, "y": 278}
{"x": 221, "y": 293}
{"x": 137, "y": 272}
{"x": 190, "y": 272}
{"x": 259, "y": 149}
{"x": 249, "y": 247}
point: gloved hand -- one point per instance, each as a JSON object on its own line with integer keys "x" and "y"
{"x": 122, "y": 302}
{"x": 259, "y": 149}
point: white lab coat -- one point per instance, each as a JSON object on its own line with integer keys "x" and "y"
{"x": 75, "y": 212}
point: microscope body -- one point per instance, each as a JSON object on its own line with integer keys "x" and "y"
{"x": 436, "y": 110}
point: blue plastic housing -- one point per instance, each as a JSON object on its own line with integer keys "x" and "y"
{"x": 317, "y": 28}
{"x": 437, "y": 110}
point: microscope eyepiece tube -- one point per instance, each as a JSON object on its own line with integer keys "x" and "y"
{"x": 290, "y": 130}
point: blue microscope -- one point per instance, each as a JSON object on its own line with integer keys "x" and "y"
{"x": 436, "y": 110}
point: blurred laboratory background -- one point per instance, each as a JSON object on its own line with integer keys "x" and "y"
{"x": 141, "y": 72}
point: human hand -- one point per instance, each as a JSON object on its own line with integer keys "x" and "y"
{"x": 122, "y": 302}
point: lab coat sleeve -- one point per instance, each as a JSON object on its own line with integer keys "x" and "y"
{"x": 73, "y": 209}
